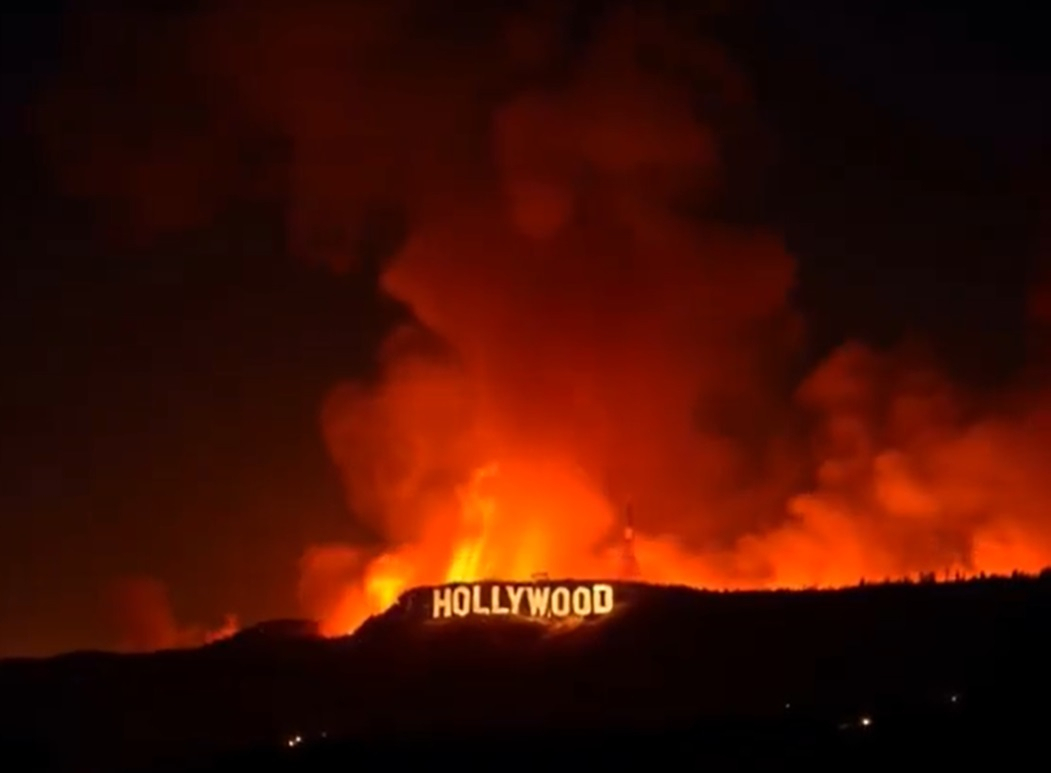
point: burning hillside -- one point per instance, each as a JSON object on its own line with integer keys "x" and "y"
{"x": 595, "y": 322}
{"x": 590, "y": 333}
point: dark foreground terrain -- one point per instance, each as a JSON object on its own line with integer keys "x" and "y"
{"x": 890, "y": 674}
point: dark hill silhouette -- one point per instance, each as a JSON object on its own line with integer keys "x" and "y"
{"x": 666, "y": 658}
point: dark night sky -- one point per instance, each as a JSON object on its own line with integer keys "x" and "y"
{"x": 160, "y": 407}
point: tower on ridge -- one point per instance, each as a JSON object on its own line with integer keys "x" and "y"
{"x": 629, "y": 564}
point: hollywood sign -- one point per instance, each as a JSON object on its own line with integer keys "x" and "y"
{"x": 525, "y": 600}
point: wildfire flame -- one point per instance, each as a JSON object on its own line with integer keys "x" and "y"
{"x": 600, "y": 347}
{"x": 469, "y": 557}
{"x": 583, "y": 325}
{"x": 805, "y": 559}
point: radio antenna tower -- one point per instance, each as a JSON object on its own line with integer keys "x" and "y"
{"x": 629, "y": 564}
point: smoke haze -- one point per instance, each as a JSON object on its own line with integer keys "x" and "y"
{"x": 594, "y": 321}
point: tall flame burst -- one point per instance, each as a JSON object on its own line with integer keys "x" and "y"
{"x": 471, "y": 557}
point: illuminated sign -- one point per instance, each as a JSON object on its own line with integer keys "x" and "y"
{"x": 532, "y": 600}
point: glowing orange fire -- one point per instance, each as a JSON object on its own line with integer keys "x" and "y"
{"x": 511, "y": 527}
{"x": 550, "y": 211}
{"x": 605, "y": 332}
{"x": 469, "y": 561}
{"x": 511, "y": 521}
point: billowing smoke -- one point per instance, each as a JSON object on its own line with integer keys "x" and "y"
{"x": 591, "y": 328}
{"x": 594, "y": 310}
{"x": 144, "y": 620}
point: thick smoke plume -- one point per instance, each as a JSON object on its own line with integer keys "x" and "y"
{"x": 590, "y": 328}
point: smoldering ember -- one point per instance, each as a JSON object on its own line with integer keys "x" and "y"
{"x": 540, "y": 600}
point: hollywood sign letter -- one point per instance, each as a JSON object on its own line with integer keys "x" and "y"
{"x": 523, "y": 600}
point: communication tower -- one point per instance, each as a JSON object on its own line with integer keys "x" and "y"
{"x": 629, "y": 564}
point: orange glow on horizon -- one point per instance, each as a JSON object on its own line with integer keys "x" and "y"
{"x": 491, "y": 549}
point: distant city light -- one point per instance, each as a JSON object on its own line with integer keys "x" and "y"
{"x": 866, "y": 721}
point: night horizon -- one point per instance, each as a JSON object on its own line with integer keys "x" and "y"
{"x": 297, "y": 299}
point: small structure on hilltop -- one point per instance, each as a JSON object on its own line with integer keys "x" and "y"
{"x": 629, "y": 563}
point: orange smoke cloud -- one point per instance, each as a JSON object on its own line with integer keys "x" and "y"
{"x": 588, "y": 330}
{"x": 603, "y": 347}
{"x": 144, "y": 615}
{"x": 586, "y": 323}
{"x": 145, "y": 621}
